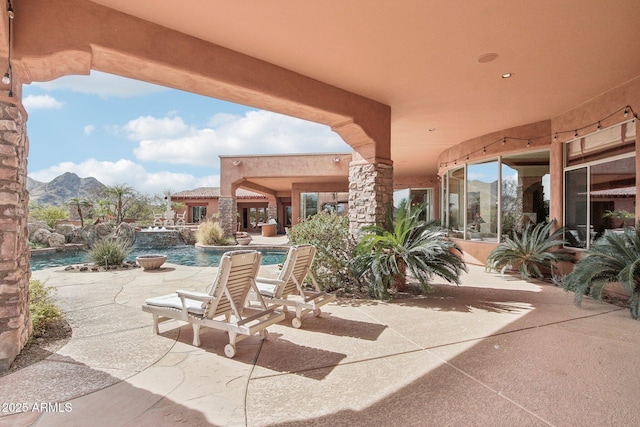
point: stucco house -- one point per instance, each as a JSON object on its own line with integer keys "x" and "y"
{"x": 499, "y": 110}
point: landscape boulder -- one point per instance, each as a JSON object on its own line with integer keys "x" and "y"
{"x": 56, "y": 240}
{"x": 34, "y": 226}
{"x": 97, "y": 232}
{"x": 189, "y": 236}
{"x": 125, "y": 233}
{"x": 40, "y": 235}
{"x": 65, "y": 228}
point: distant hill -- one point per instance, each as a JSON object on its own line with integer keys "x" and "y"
{"x": 32, "y": 183}
{"x": 63, "y": 188}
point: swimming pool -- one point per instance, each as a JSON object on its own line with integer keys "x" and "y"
{"x": 181, "y": 255}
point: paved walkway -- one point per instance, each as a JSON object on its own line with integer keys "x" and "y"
{"x": 493, "y": 351}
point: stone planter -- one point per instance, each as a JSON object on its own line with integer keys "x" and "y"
{"x": 243, "y": 240}
{"x": 151, "y": 262}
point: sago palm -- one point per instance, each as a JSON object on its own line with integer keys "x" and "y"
{"x": 613, "y": 258}
{"x": 528, "y": 252}
{"x": 384, "y": 255}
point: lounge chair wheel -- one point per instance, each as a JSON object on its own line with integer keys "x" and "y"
{"x": 264, "y": 334}
{"x": 296, "y": 322}
{"x": 230, "y": 350}
{"x": 317, "y": 312}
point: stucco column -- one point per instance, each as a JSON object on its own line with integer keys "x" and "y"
{"x": 15, "y": 323}
{"x": 370, "y": 192}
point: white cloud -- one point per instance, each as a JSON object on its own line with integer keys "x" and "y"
{"x": 130, "y": 173}
{"x": 102, "y": 84}
{"x": 149, "y": 128}
{"x": 170, "y": 140}
{"x": 41, "y": 102}
{"x": 88, "y": 129}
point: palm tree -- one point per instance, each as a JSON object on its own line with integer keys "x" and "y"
{"x": 613, "y": 258}
{"x": 383, "y": 255}
{"x": 79, "y": 204}
{"x": 529, "y": 252}
{"x": 119, "y": 192}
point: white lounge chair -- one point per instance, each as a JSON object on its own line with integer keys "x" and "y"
{"x": 181, "y": 219}
{"x": 288, "y": 289}
{"x": 158, "y": 219}
{"x": 223, "y": 306}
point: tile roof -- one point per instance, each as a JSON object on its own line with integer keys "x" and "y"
{"x": 214, "y": 193}
{"x": 615, "y": 192}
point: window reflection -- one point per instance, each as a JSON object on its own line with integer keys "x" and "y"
{"x": 600, "y": 184}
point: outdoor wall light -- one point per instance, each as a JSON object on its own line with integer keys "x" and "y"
{"x": 6, "y": 79}
{"x": 236, "y": 163}
{"x": 336, "y": 159}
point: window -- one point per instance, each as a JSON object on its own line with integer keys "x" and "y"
{"x": 455, "y": 212}
{"x": 525, "y": 193}
{"x": 311, "y": 203}
{"x": 198, "y": 213}
{"x": 600, "y": 190}
{"x": 418, "y": 196}
{"x": 482, "y": 201}
{"x": 493, "y": 199}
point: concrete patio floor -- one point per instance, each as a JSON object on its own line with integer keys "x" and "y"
{"x": 490, "y": 352}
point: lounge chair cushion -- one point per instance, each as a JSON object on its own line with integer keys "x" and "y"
{"x": 173, "y": 301}
{"x": 267, "y": 289}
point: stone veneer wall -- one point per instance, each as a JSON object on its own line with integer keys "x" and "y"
{"x": 15, "y": 322}
{"x": 272, "y": 210}
{"x": 228, "y": 209}
{"x": 370, "y": 191}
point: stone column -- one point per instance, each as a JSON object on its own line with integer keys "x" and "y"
{"x": 272, "y": 208}
{"x": 228, "y": 214}
{"x": 15, "y": 323}
{"x": 370, "y": 192}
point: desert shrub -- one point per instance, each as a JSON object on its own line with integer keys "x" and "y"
{"x": 329, "y": 233}
{"x": 48, "y": 214}
{"x": 408, "y": 244}
{"x": 613, "y": 258}
{"x": 530, "y": 252}
{"x": 41, "y": 307}
{"x": 211, "y": 233}
{"x": 109, "y": 252}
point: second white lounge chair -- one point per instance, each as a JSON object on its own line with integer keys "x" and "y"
{"x": 288, "y": 289}
{"x": 223, "y": 306}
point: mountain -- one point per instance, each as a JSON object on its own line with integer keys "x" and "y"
{"x": 61, "y": 189}
{"x": 32, "y": 183}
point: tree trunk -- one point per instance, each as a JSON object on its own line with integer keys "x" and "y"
{"x": 400, "y": 279}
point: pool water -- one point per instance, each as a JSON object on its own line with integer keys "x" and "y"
{"x": 181, "y": 255}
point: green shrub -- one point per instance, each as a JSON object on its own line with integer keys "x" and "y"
{"x": 109, "y": 252}
{"x": 531, "y": 252}
{"x": 329, "y": 233}
{"x": 48, "y": 214}
{"x": 43, "y": 310}
{"x": 613, "y": 258}
{"x": 384, "y": 255}
{"x": 211, "y": 233}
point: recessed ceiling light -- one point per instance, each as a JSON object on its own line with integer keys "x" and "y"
{"x": 432, "y": 129}
{"x": 487, "y": 57}
{"x": 507, "y": 75}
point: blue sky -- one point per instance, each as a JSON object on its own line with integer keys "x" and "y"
{"x": 152, "y": 138}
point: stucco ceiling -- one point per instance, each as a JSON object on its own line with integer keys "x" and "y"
{"x": 421, "y": 57}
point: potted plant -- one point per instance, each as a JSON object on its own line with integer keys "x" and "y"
{"x": 243, "y": 238}
{"x": 409, "y": 244}
{"x": 530, "y": 253}
{"x": 613, "y": 258}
